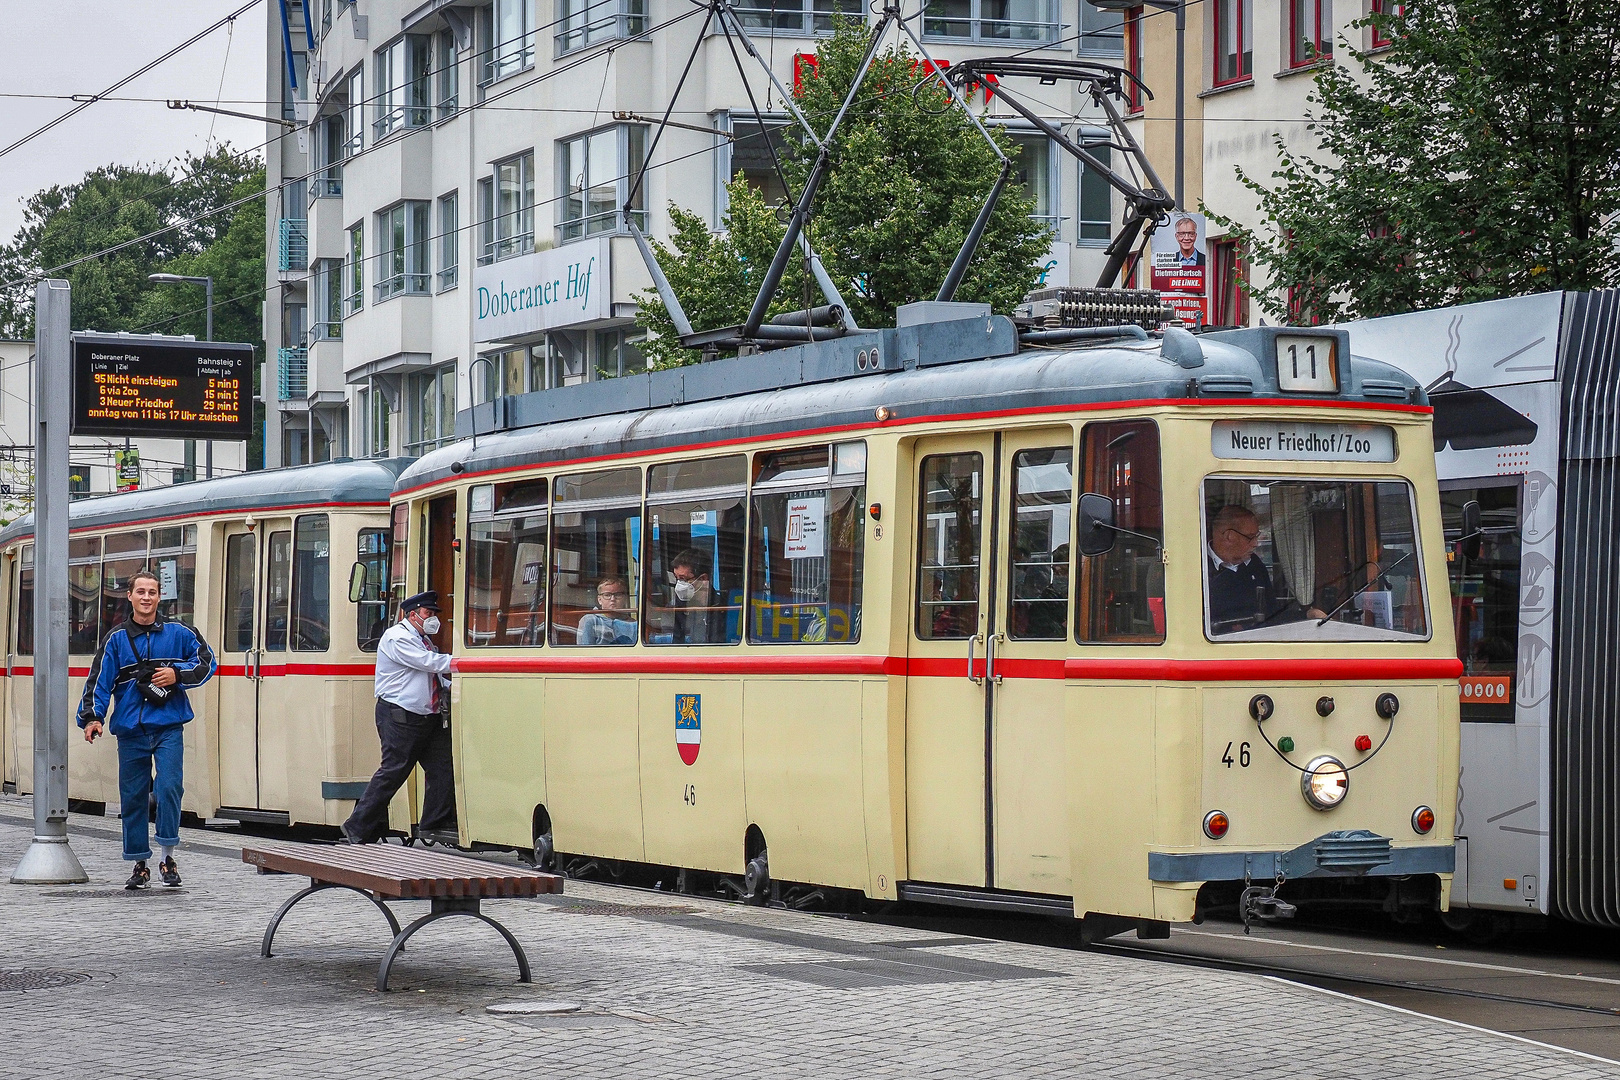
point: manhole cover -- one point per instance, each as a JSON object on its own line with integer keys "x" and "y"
{"x": 39, "y": 980}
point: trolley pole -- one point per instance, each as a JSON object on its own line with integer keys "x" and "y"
{"x": 49, "y": 860}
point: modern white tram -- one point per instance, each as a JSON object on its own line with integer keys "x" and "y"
{"x": 260, "y": 564}
{"x": 1526, "y": 396}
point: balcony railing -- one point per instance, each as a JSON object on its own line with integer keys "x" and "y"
{"x": 293, "y": 253}
{"x": 292, "y": 374}
{"x": 329, "y": 185}
{"x": 390, "y": 287}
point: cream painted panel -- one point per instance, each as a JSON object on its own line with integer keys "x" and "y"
{"x": 694, "y": 814}
{"x": 592, "y": 739}
{"x": 500, "y": 756}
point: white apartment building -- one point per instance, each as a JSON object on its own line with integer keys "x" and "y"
{"x": 93, "y": 460}
{"x": 444, "y": 218}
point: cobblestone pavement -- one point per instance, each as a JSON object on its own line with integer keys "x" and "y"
{"x": 666, "y": 987}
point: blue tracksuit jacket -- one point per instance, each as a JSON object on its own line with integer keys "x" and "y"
{"x": 112, "y": 674}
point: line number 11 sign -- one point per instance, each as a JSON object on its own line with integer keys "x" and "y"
{"x": 1307, "y": 362}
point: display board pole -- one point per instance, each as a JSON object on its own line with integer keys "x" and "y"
{"x": 49, "y": 860}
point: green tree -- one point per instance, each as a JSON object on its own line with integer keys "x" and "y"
{"x": 1473, "y": 159}
{"x": 909, "y": 174}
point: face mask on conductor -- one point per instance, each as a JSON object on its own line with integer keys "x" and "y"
{"x": 430, "y": 625}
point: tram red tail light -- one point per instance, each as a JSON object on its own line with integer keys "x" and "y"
{"x": 1422, "y": 820}
{"x": 1216, "y": 824}
{"x": 1363, "y": 743}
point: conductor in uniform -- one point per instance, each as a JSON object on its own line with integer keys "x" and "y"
{"x": 412, "y": 687}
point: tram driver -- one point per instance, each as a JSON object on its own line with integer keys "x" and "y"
{"x": 1243, "y": 594}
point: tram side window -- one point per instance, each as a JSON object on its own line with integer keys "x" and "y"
{"x": 371, "y": 613}
{"x": 174, "y": 561}
{"x": 1485, "y": 595}
{"x": 694, "y": 557}
{"x": 25, "y": 602}
{"x": 806, "y": 545}
{"x": 278, "y": 592}
{"x": 84, "y": 595}
{"x": 122, "y": 555}
{"x": 1122, "y": 591}
{"x": 1042, "y": 495}
{"x": 238, "y": 629}
{"x": 312, "y": 584}
{"x": 952, "y": 504}
{"x": 595, "y": 540}
{"x": 506, "y": 564}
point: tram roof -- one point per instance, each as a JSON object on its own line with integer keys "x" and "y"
{"x": 363, "y": 482}
{"x": 957, "y": 368}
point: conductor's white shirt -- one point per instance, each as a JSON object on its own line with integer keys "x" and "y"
{"x": 407, "y": 665}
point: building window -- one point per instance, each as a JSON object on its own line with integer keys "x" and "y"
{"x": 327, "y": 179}
{"x": 403, "y": 69}
{"x": 507, "y": 29}
{"x": 431, "y": 408}
{"x": 449, "y": 240}
{"x": 751, "y": 147}
{"x": 356, "y": 270}
{"x": 586, "y": 22}
{"x": 295, "y": 445}
{"x": 1229, "y": 303}
{"x": 449, "y": 74}
{"x": 1388, "y": 9}
{"x": 1135, "y": 55}
{"x": 328, "y": 282}
{"x": 1102, "y": 29}
{"x": 402, "y": 250}
{"x": 1234, "y": 41}
{"x": 618, "y": 352}
{"x": 597, "y": 170}
{"x": 994, "y": 20}
{"x": 506, "y": 209}
{"x": 355, "y": 118}
{"x": 797, "y": 17}
{"x": 1311, "y": 31}
{"x": 1096, "y": 198}
{"x": 378, "y": 422}
{"x": 1034, "y": 169}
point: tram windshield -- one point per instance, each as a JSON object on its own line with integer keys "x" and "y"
{"x": 1311, "y": 560}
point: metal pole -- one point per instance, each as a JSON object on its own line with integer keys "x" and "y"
{"x": 208, "y": 287}
{"x": 1181, "y": 104}
{"x": 49, "y": 860}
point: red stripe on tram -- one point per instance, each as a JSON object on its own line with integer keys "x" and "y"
{"x": 1314, "y": 669}
{"x": 679, "y": 665}
{"x": 272, "y": 670}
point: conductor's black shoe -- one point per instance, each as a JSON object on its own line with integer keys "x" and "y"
{"x": 141, "y": 878}
{"x": 169, "y": 872}
{"x": 349, "y": 837}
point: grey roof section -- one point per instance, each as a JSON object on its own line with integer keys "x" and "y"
{"x": 938, "y": 369}
{"x": 342, "y": 481}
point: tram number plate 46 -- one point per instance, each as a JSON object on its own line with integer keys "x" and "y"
{"x": 1242, "y": 759}
{"x": 1307, "y": 362}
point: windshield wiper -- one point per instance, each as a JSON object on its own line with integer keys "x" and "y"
{"x": 1346, "y": 601}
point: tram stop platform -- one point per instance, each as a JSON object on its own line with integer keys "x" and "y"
{"x": 96, "y": 981}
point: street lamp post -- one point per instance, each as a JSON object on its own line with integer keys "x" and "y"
{"x": 208, "y": 335}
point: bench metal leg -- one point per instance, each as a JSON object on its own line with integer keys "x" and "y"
{"x": 443, "y": 907}
{"x": 315, "y": 887}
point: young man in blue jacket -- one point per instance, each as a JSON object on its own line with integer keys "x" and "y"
{"x": 144, "y": 668}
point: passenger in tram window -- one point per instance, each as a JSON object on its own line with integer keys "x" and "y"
{"x": 614, "y": 621}
{"x": 692, "y": 597}
{"x": 1242, "y": 591}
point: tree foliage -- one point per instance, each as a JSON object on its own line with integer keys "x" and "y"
{"x": 909, "y": 173}
{"x": 1474, "y": 158}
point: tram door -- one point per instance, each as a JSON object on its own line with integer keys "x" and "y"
{"x": 985, "y": 793}
{"x": 254, "y": 605}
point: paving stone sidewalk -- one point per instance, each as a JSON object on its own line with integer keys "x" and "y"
{"x": 666, "y": 987}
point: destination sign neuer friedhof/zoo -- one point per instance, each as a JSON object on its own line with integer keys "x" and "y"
{"x": 174, "y": 388}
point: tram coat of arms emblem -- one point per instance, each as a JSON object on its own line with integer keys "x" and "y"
{"x": 688, "y": 725}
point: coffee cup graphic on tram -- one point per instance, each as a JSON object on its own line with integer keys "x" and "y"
{"x": 963, "y": 638}
{"x": 260, "y": 565}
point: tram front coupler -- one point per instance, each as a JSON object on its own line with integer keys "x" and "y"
{"x": 1261, "y": 903}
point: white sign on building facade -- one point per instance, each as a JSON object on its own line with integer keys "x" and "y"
{"x": 542, "y": 291}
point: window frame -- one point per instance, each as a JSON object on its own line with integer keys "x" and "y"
{"x": 627, "y": 19}
{"x": 1088, "y": 183}
{"x": 449, "y": 245}
{"x": 1390, "y": 8}
{"x": 976, "y": 22}
{"x": 498, "y": 243}
{"x": 810, "y": 20}
{"x": 1135, "y": 59}
{"x": 630, "y": 149}
{"x": 1299, "y": 54}
{"x": 403, "y": 98}
{"x": 296, "y": 608}
{"x": 354, "y": 298}
{"x": 418, "y": 439}
{"x": 1083, "y": 632}
{"x": 1241, "y": 12}
{"x": 502, "y": 58}
{"x": 408, "y": 269}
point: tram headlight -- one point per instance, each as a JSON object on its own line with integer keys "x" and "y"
{"x": 1325, "y": 783}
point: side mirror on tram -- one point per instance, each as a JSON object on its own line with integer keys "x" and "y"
{"x": 1472, "y": 540}
{"x": 357, "y": 583}
{"x": 1096, "y": 532}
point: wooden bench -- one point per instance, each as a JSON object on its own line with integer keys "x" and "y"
{"x": 453, "y": 885}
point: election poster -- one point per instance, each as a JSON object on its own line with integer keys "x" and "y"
{"x": 1179, "y": 256}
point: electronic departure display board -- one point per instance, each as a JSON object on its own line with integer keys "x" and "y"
{"x": 163, "y": 387}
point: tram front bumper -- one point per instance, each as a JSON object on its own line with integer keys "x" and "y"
{"x": 1348, "y": 853}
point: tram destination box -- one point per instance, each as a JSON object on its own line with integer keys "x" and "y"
{"x": 174, "y": 388}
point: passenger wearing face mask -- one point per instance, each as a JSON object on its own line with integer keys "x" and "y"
{"x": 692, "y": 597}
{"x": 413, "y": 694}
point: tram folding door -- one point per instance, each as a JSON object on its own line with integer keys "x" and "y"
{"x": 254, "y": 624}
{"x": 985, "y": 761}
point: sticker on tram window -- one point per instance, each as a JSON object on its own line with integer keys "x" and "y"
{"x": 1307, "y": 362}
{"x": 688, "y": 726}
{"x": 1260, "y": 440}
{"x": 804, "y": 518}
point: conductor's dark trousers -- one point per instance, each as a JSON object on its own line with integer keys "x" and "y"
{"x": 408, "y": 739}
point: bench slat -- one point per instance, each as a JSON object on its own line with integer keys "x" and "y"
{"x": 402, "y": 873}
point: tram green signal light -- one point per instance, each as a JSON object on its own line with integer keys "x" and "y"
{"x": 1285, "y": 744}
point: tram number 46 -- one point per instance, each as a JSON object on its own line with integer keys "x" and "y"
{"x": 1242, "y": 758}
{"x": 689, "y": 795}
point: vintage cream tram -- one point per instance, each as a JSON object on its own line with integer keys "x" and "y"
{"x": 922, "y": 613}
{"x": 258, "y": 564}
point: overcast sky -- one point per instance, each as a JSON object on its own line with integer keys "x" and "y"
{"x": 84, "y": 46}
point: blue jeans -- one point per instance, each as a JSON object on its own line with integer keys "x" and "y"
{"x": 138, "y": 751}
